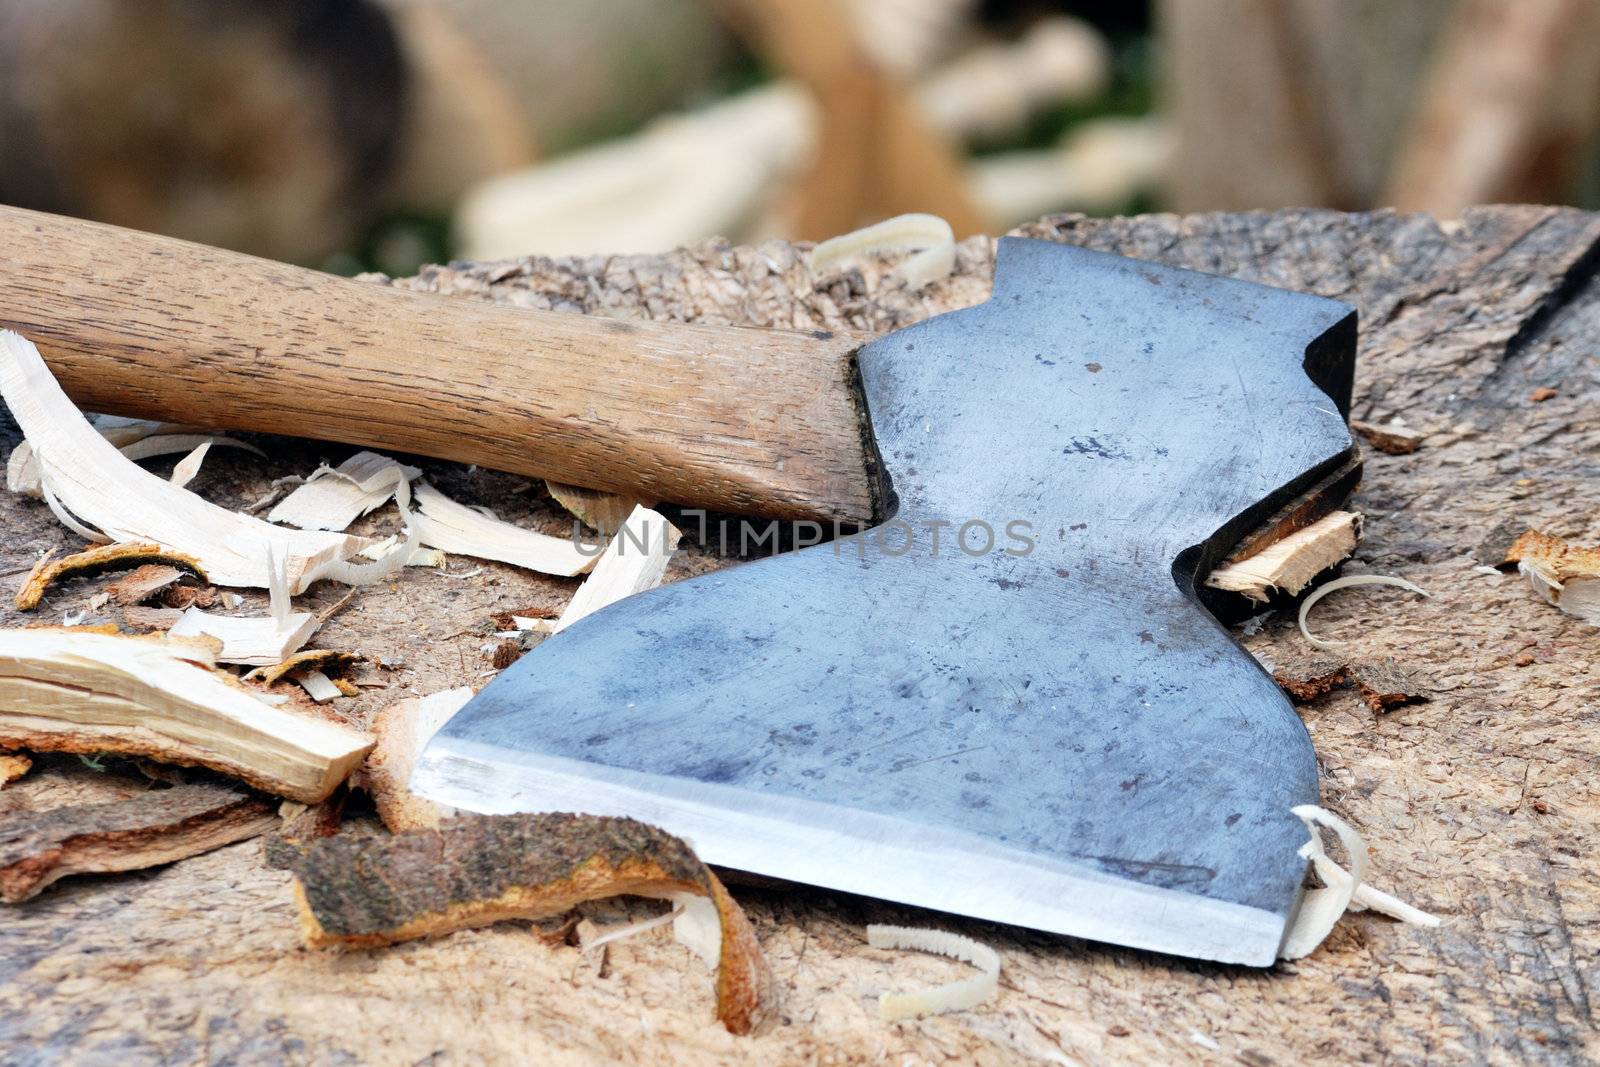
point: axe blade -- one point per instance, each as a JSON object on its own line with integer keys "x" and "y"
{"x": 1048, "y": 729}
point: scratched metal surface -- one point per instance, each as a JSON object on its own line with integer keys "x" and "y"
{"x": 1063, "y": 739}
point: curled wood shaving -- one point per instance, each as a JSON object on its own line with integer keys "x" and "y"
{"x": 73, "y": 691}
{"x": 22, "y": 468}
{"x": 386, "y": 566}
{"x": 334, "y": 497}
{"x": 635, "y": 560}
{"x": 83, "y": 475}
{"x": 929, "y": 237}
{"x": 1565, "y": 575}
{"x": 364, "y": 892}
{"x": 956, "y": 996}
{"x": 1342, "y": 890}
{"x": 445, "y": 524}
{"x": 98, "y": 560}
{"x": 166, "y": 444}
{"x": 1345, "y": 583}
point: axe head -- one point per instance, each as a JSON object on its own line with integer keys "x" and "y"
{"x": 1030, "y": 718}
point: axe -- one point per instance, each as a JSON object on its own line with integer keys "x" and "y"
{"x": 1042, "y": 726}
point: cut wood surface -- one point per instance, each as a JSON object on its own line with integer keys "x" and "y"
{"x": 733, "y": 420}
{"x": 153, "y": 828}
{"x": 1479, "y": 805}
{"x": 66, "y": 691}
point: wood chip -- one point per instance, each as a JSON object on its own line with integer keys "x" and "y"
{"x": 1566, "y": 575}
{"x": 185, "y": 469}
{"x": 143, "y": 618}
{"x": 147, "y": 830}
{"x": 363, "y": 892}
{"x": 99, "y": 560}
{"x": 83, "y": 475}
{"x": 445, "y": 524}
{"x": 255, "y": 642}
{"x": 13, "y": 765}
{"x": 145, "y": 582}
{"x": 318, "y": 686}
{"x": 71, "y": 691}
{"x": 1393, "y": 438}
{"x": 600, "y": 511}
{"x": 635, "y": 560}
{"x": 1289, "y": 565}
{"x": 333, "y": 498}
{"x": 400, "y": 731}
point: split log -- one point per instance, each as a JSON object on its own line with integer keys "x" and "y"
{"x": 148, "y": 830}
{"x": 363, "y": 892}
{"x": 65, "y": 691}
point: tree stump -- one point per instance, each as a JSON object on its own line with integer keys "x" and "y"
{"x": 1480, "y": 804}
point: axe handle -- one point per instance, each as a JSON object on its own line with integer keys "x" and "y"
{"x": 748, "y": 421}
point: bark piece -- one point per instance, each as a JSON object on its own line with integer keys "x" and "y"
{"x": 332, "y": 498}
{"x": 481, "y": 869}
{"x": 66, "y": 691}
{"x": 635, "y": 560}
{"x": 400, "y": 731}
{"x": 443, "y": 523}
{"x": 1290, "y": 564}
{"x": 1311, "y": 681}
{"x": 1392, "y": 439}
{"x": 1385, "y": 685}
{"x": 84, "y": 475}
{"x": 98, "y": 560}
{"x": 148, "y": 830}
{"x": 1566, "y": 575}
{"x": 143, "y": 583}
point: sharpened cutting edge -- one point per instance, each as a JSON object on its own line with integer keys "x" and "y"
{"x": 837, "y": 848}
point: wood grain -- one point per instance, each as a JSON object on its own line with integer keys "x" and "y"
{"x": 760, "y": 422}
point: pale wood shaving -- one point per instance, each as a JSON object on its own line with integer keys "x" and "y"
{"x": 1345, "y": 583}
{"x": 319, "y": 687}
{"x": 634, "y": 560}
{"x": 83, "y": 474}
{"x": 255, "y": 642}
{"x": 185, "y": 469}
{"x": 1342, "y": 890}
{"x": 955, "y": 996}
{"x": 929, "y": 237}
{"x": 334, "y": 497}
{"x": 1290, "y": 564}
{"x": 445, "y": 524}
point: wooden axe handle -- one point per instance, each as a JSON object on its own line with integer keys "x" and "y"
{"x": 748, "y": 421}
